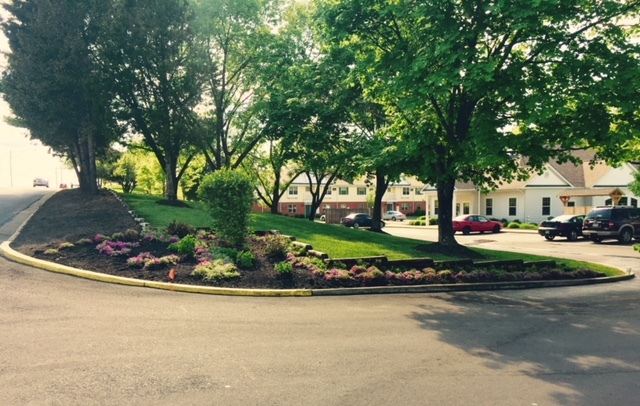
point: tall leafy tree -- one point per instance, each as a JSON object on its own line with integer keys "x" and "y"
{"x": 473, "y": 85}
{"x": 239, "y": 59}
{"x": 52, "y": 84}
{"x": 149, "y": 53}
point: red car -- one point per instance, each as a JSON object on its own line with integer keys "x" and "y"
{"x": 475, "y": 223}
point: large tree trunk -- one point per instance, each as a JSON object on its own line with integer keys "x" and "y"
{"x": 171, "y": 190}
{"x": 381, "y": 187}
{"x": 86, "y": 165}
{"x": 445, "y": 214}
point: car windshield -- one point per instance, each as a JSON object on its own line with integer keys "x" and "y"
{"x": 461, "y": 218}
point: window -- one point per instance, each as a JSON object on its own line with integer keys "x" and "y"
{"x": 418, "y": 191}
{"x": 406, "y": 191}
{"x": 362, "y": 206}
{"x": 488, "y": 209}
{"x": 418, "y": 207}
{"x": 546, "y": 206}
{"x": 293, "y": 190}
{"x": 343, "y": 190}
{"x": 436, "y": 207}
{"x": 293, "y": 208}
{"x": 361, "y": 191}
{"x": 513, "y": 205}
{"x": 623, "y": 202}
{"x": 307, "y": 189}
{"x": 329, "y": 192}
{"x": 571, "y": 204}
{"x": 405, "y": 207}
{"x": 466, "y": 208}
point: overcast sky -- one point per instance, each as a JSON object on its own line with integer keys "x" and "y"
{"x": 22, "y": 159}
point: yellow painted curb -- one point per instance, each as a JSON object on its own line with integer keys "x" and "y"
{"x": 8, "y": 252}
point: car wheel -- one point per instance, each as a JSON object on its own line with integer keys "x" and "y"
{"x": 356, "y": 226}
{"x": 496, "y": 229}
{"x": 549, "y": 237}
{"x": 393, "y": 218}
{"x": 596, "y": 239}
{"x": 625, "y": 236}
{"x": 382, "y": 224}
{"x": 466, "y": 230}
{"x": 573, "y": 235}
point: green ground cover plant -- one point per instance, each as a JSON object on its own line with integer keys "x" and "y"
{"x": 337, "y": 242}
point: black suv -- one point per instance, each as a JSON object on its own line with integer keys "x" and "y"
{"x": 612, "y": 222}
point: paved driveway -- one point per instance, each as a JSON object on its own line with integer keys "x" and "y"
{"x": 68, "y": 341}
{"x": 608, "y": 252}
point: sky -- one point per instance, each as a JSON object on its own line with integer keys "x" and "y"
{"x": 22, "y": 159}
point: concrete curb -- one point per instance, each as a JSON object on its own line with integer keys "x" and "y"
{"x": 8, "y": 252}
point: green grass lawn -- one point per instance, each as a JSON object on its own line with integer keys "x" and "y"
{"x": 337, "y": 242}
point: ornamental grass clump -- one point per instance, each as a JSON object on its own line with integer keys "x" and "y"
{"x": 180, "y": 229}
{"x": 215, "y": 270}
{"x": 65, "y": 245}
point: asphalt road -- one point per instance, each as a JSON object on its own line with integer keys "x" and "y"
{"x": 68, "y": 341}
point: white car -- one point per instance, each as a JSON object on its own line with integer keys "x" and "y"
{"x": 393, "y": 215}
{"x": 40, "y": 182}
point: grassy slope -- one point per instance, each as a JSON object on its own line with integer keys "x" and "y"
{"x": 337, "y": 242}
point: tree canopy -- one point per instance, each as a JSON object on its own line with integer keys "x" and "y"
{"x": 472, "y": 86}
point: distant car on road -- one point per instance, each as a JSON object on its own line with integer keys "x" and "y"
{"x": 357, "y": 220}
{"x": 40, "y": 182}
{"x": 394, "y": 215}
{"x": 567, "y": 225}
{"x": 470, "y": 223}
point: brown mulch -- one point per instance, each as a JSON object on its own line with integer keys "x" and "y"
{"x": 71, "y": 215}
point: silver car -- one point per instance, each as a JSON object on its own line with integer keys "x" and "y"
{"x": 393, "y": 215}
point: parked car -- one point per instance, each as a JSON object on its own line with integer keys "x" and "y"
{"x": 357, "y": 220}
{"x": 470, "y": 223}
{"x": 567, "y": 225}
{"x": 612, "y": 222}
{"x": 40, "y": 182}
{"x": 394, "y": 215}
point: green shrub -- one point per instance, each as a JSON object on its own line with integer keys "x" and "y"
{"x": 283, "y": 268}
{"x": 417, "y": 223}
{"x": 513, "y": 225}
{"x": 529, "y": 226}
{"x": 226, "y": 252}
{"x": 277, "y": 246}
{"x": 433, "y": 221}
{"x": 245, "y": 259}
{"x": 186, "y": 246}
{"x": 228, "y": 196}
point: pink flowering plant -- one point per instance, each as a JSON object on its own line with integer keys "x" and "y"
{"x": 115, "y": 248}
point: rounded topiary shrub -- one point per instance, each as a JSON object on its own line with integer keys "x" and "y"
{"x": 228, "y": 196}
